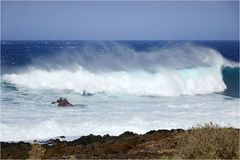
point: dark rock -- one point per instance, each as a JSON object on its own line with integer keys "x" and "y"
{"x": 128, "y": 145}
{"x": 53, "y": 141}
{"x": 63, "y": 102}
{"x": 151, "y": 132}
{"x": 163, "y": 131}
{"x": 84, "y": 140}
{"x": 177, "y": 130}
{"x": 152, "y": 145}
{"x": 127, "y": 133}
{"x": 15, "y": 150}
{"x": 159, "y": 131}
{"x": 85, "y": 93}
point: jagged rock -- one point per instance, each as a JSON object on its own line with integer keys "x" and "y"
{"x": 152, "y": 145}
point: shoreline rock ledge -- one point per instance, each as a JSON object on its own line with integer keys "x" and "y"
{"x": 160, "y": 144}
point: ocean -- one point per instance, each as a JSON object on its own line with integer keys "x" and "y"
{"x": 135, "y": 85}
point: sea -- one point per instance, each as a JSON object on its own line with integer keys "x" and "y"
{"x": 133, "y": 86}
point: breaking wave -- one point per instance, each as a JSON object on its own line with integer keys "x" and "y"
{"x": 117, "y": 69}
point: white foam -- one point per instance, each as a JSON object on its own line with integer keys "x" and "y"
{"x": 182, "y": 70}
{"x": 26, "y": 113}
{"x": 108, "y": 115}
{"x": 201, "y": 80}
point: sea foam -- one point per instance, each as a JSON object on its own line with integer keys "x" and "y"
{"x": 178, "y": 70}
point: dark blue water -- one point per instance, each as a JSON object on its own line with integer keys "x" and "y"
{"x": 21, "y": 53}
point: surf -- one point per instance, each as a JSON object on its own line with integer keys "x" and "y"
{"x": 177, "y": 70}
{"x": 137, "y": 90}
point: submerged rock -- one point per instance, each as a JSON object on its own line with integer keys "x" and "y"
{"x": 63, "y": 102}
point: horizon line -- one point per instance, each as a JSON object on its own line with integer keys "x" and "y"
{"x": 122, "y": 40}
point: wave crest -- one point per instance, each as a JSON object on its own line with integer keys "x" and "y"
{"x": 181, "y": 70}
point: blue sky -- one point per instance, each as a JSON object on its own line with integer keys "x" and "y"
{"x": 106, "y": 20}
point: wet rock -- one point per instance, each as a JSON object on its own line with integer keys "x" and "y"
{"x": 53, "y": 141}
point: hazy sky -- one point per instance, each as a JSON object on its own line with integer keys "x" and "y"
{"x": 186, "y": 20}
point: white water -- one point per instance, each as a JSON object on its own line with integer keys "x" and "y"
{"x": 166, "y": 82}
{"x": 31, "y": 116}
{"x": 124, "y": 86}
{"x": 182, "y": 70}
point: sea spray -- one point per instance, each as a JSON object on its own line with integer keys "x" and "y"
{"x": 144, "y": 86}
{"x": 179, "y": 70}
{"x": 190, "y": 81}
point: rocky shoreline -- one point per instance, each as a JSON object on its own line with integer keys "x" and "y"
{"x": 152, "y": 145}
